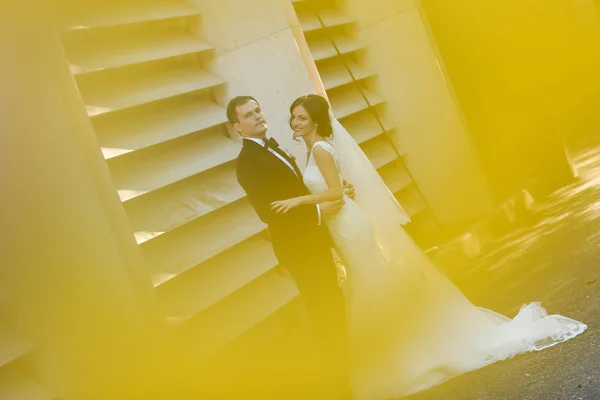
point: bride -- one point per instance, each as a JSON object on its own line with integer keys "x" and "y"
{"x": 409, "y": 327}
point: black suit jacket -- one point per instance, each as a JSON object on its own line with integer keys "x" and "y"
{"x": 296, "y": 236}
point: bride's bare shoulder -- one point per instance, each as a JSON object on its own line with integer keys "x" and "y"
{"x": 325, "y": 146}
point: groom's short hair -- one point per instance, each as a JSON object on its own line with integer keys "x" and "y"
{"x": 234, "y": 104}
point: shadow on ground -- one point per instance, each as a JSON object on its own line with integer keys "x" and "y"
{"x": 553, "y": 258}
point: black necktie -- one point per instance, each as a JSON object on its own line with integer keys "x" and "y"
{"x": 271, "y": 143}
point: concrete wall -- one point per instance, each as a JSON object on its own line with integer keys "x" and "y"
{"x": 580, "y": 110}
{"x": 71, "y": 265}
{"x": 257, "y": 55}
{"x": 521, "y": 70}
{"x": 440, "y": 156}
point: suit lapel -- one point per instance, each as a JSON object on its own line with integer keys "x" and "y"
{"x": 290, "y": 160}
{"x": 253, "y": 146}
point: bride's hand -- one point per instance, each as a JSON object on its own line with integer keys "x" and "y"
{"x": 349, "y": 189}
{"x": 283, "y": 206}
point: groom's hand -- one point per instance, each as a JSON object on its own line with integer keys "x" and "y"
{"x": 331, "y": 207}
{"x": 349, "y": 189}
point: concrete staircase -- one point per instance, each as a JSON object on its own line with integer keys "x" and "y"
{"x": 355, "y": 103}
{"x": 139, "y": 70}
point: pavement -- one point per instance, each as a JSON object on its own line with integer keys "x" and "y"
{"x": 552, "y": 257}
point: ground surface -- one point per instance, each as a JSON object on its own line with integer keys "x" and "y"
{"x": 553, "y": 258}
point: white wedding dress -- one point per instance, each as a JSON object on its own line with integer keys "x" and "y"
{"x": 409, "y": 327}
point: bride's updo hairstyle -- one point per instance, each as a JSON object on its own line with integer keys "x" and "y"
{"x": 318, "y": 109}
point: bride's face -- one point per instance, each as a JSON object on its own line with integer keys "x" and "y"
{"x": 301, "y": 122}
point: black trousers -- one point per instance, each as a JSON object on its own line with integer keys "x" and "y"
{"x": 312, "y": 267}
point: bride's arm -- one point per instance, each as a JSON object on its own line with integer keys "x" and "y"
{"x": 334, "y": 191}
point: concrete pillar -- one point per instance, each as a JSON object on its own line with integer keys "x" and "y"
{"x": 72, "y": 273}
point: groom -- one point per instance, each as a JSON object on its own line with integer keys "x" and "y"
{"x": 300, "y": 242}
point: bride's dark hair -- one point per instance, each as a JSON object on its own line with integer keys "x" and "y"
{"x": 318, "y": 109}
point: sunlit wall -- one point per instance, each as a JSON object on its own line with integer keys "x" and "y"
{"x": 524, "y": 74}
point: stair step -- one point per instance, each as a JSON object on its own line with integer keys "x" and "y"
{"x": 204, "y": 286}
{"x": 360, "y": 72}
{"x": 16, "y": 386}
{"x": 140, "y": 127}
{"x": 379, "y": 151}
{"x": 109, "y": 91}
{"x": 100, "y": 51}
{"x": 192, "y": 244}
{"x": 283, "y": 332}
{"x": 388, "y": 124}
{"x": 322, "y": 48}
{"x": 309, "y": 21}
{"x": 374, "y": 99}
{"x": 410, "y": 200}
{"x": 346, "y": 101}
{"x": 12, "y": 347}
{"x": 345, "y": 43}
{"x": 395, "y": 178}
{"x": 173, "y": 206}
{"x": 123, "y": 13}
{"x": 332, "y": 17}
{"x": 349, "y": 100}
{"x": 237, "y": 314}
{"x": 146, "y": 170}
{"x": 335, "y": 73}
{"x": 363, "y": 126}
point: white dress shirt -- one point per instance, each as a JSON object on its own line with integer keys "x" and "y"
{"x": 290, "y": 166}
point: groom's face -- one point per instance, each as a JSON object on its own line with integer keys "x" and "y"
{"x": 251, "y": 120}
